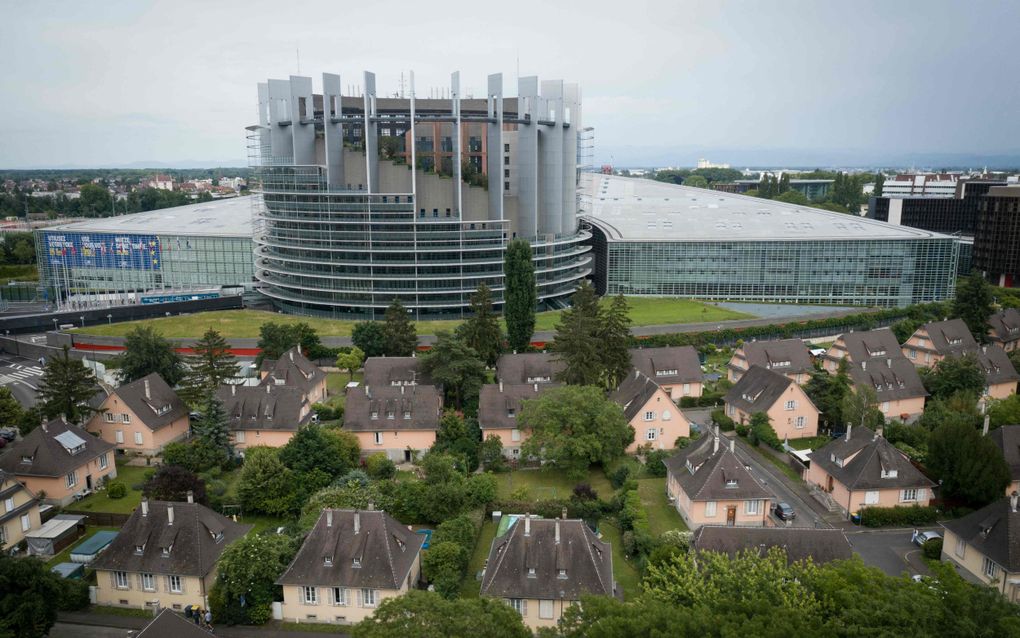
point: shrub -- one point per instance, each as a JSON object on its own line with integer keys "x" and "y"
{"x": 116, "y": 489}
{"x": 742, "y": 430}
{"x": 933, "y": 549}
{"x": 682, "y": 442}
{"x": 379, "y": 466}
{"x": 585, "y": 492}
{"x": 522, "y": 493}
{"x": 724, "y": 422}
{"x": 460, "y": 530}
{"x": 914, "y": 516}
{"x": 654, "y": 462}
{"x": 480, "y": 489}
{"x": 443, "y": 564}
{"x": 354, "y": 476}
{"x": 620, "y": 476}
{"x": 761, "y": 431}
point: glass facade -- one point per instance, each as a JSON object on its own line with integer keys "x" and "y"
{"x": 869, "y": 272}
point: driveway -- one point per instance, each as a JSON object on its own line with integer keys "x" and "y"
{"x": 890, "y": 550}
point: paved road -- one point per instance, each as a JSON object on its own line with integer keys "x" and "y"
{"x": 890, "y": 550}
{"x": 21, "y": 376}
{"x": 68, "y": 630}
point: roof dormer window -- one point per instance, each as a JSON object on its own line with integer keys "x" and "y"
{"x": 407, "y": 415}
{"x": 356, "y": 563}
{"x": 375, "y": 415}
{"x": 562, "y": 574}
{"x": 532, "y": 573}
{"x": 666, "y": 373}
{"x": 730, "y": 482}
{"x": 690, "y": 466}
{"x": 389, "y": 414}
{"x": 26, "y": 459}
{"x": 327, "y": 561}
{"x": 139, "y": 549}
{"x": 511, "y": 413}
{"x": 889, "y": 473}
{"x": 779, "y": 364}
{"x": 166, "y": 551}
{"x": 279, "y": 381}
{"x": 217, "y": 537}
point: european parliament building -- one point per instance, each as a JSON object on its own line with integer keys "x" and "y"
{"x": 370, "y": 198}
{"x": 653, "y": 238}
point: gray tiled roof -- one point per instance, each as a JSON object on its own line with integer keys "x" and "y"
{"x": 382, "y": 371}
{"x": 869, "y": 455}
{"x": 772, "y": 354}
{"x": 653, "y": 361}
{"x": 423, "y": 402}
{"x": 194, "y": 548}
{"x": 385, "y": 551}
{"x": 587, "y": 560}
{"x": 527, "y": 367}
{"x": 1005, "y": 326}
{"x": 995, "y": 364}
{"x": 871, "y": 344}
{"x": 147, "y": 396}
{"x": 634, "y": 392}
{"x": 16, "y": 487}
{"x": 800, "y": 543}
{"x": 47, "y": 456}
{"x": 714, "y": 466}
{"x": 263, "y": 407}
{"x": 994, "y": 531}
{"x": 757, "y": 390}
{"x": 495, "y": 402}
{"x": 293, "y": 369}
{"x": 893, "y": 379}
{"x": 950, "y": 337}
{"x": 1007, "y": 438}
{"x": 169, "y": 624}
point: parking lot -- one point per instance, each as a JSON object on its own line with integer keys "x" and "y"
{"x": 890, "y": 550}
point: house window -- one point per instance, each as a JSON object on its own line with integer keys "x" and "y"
{"x": 378, "y": 438}
{"x": 368, "y": 597}
{"x": 687, "y": 389}
{"x": 545, "y": 609}
{"x": 651, "y": 434}
{"x": 520, "y": 605}
{"x": 109, "y": 417}
{"x": 407, "y": 415}
{"x": 340, "y": 596}
{"x": 790, "y": 405}
{"x": 71, "y": 479}
{"x": 961, "y": 547}
{"x": 989, "y": 568}
{"x": 389, "y": 415}
{"x": 125, "y": 417}
{"x": 710, "y": 509}
{"x": 515, "y": 435}
{"x": 310, "y": 595}
{"x": 119, "y": 436}
{"x": 800, "y": 423}
{"x": 908, "y": 495}
{"x": 649, "y": 416}
{"x": 532, "y": 573}
{"x": 375, "y": 415}
{"x": 9, "y": 504}
{"x": 138, "y": 438}
{"x": 103, "y": 462}
{"x": 148, "y": 582}
{"x": 239, "y": 436}
{"x": 912, "y": 354}
{"x": 885, "y": 407}
{"x": 120, "y": 580}
{"x": 3, "y": 535}
{"x": 871, "y": 497}
{"x": 750, "y": 507}
{"x": 26, "y": 523}
{"x": 729, "y": 410}
{"x": 562, "y": 574}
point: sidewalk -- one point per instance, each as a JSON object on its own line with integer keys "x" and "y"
{"x": 269, "y": 630}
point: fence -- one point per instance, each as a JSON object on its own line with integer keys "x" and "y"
{"x": 106, "y": 519}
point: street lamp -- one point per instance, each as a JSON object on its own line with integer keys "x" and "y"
{"x": 109, "y": 318}
{"x": 82, "y": 320}
{"x": 54, "y": 324}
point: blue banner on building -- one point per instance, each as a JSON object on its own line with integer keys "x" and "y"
{"x": 103, "y": 250}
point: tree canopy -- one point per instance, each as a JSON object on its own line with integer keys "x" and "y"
{"x": 520, "y": 296}
{"x": 954, "y": 375}
{"x": 973, "y": 304}
{"x": 456, "y": 366}
{"x": 428, "y": 615}
{"x": 970, "y": 466}
{"x": 247, "y": 571}
{"x": 266, "y": 485}
{"x": 350, "y": 360}
{"x": 145, "y": 352}
{"x": 66, "y": 387}
{"x": 212, "y": 365}
{"x": 399, "y": 336}
{"x": 31, "y": 595}
{"x": 369, "y": 337}
{"x": 172, "y": 483}
{"x": 481, "y": 331}
{"x": 277, "y": 338}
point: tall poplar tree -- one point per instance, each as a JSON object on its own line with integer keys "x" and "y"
{"x": 614, "y": 340}
{"x": 973, "y": 304}
{"x": 577, "y": 341}
{"x": 520, "y": 296}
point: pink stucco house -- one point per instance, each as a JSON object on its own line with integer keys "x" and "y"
{"x": 676, "y": 369}
{"x": 790, "y": 411}
{"x": 651, "y": 412}
{"x": 855, "y": 347}
{"x": 935, "y": 341}
{"x": 789, "y": 357}
{"x": 141, "y": 417}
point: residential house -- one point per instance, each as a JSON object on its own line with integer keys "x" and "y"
{"x": 862, "y": 469}
{"x": 896, "y": 383}
{"x": 1004, "y": 329}
{"x": 348, "y": 565}
{"x": 986, "y": 544}
{"x": 541, "y": 567}
{"x": 169, "y": 624}
{"x": 141, "y": 417}
{"x": 499, "y": 404}
{"x": 799, "y": 543}
{"x": 165, "y": 555}
{"x": 676, "y": 368}
{"x": 709, "y": 485}
{"x": 19, "y": 513}
{"x": 266, "y": 414}
{"x": 651, "y": 412}
{"x": 398, "y": 420}
{"x": 1007, "y": 438}
{"x": 790, "y": 411}
{"x": 394, "y": 371}
{"x": 59, "y": 461}
{"x": 935, "y": 341}
{"x": 856, "y": 347}
{"x": 528, "y": 368}
{"x": 295, "y": 370}
{"x": 789, "y": 357}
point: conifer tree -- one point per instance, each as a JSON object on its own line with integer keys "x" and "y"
{"x": 212, "y": 365}
{"x": 520, "y": 296}
{"x": 66, "y": 388}
{"x": 212, "y": 428}
{"x": 577, "y": 339}
{"x": 398, "y": 331}
{"x": 614, "y": 341}
{"x": 481, "y": 332}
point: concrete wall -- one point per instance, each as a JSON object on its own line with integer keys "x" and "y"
{"x": 269, "y": 438}
{"x": 681, "y": 390}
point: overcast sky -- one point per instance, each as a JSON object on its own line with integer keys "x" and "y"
{"x": 116, "y": 83}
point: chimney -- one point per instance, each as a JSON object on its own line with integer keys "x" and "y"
{"x": 849, "y": 426}
{"x": 715, "y": 443}
{"x": 527, "y": 524}
{"x": 44, "y": 425}
{"x": 357, "y": 522}
{"x": 536, "y": 387}
{"x": 292, "y": 354}
{"x": 864, "y": 365}
{"x": 233, "y": 389}
{"x": 637, "y": 373}
{"x": 888, "y": 363}
{"x": 169, "y": 514}
{"x": 371, "y": 506}
{"x": 501, "y": 386}
{"x": 191, "y": 496}
{"x": 145, "y": 507}
{"x": 733, "y": 446}
{"x": 368, "y": 392}
{"x": 984, "y": 428}
{"x": 984, "y": 349}
{"x": 329, "y": 518}
{"x": 557, "y": 531}
{"x": 148, "y": 394}
{"x": 401, "y": 388}
{"x": 1013, "y": 498}
{"x": 878, "y": 432}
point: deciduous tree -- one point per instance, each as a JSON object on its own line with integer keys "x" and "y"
{"x": 246, "y": 578}
{"x": 520, "y": 296}
{"x": 277, "y": 338}
{"x": 369, "y": 337}
{"x": 456, "y": 366}
{"x": 954, "y": 375}
{"x": 350, "y": 361}
{"x": 172, "y": 483}
{"x": 266, "y": 486}
{"x": 428, "y": 615}
{"x": 145, "y": 352}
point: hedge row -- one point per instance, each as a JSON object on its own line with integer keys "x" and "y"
{"x": 899, "y": 516}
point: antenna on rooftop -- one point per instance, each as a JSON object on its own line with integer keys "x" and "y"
{"x": 297, "y": 51}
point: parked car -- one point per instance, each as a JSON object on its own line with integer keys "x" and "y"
{"x": 785, "y": 512}
{"x": 920, "y": 538}
{"x": 8, "y": 434}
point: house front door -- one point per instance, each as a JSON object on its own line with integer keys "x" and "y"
{"x": 731, "y": 515}
{"x": 407, "y": 456}
{"x": 88, "y": 482}
{"x": 828, "y": 485}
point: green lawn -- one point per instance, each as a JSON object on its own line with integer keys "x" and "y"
{"x": 470, "y": 586}
{"x": 627, "y": 576}
{"x": 645, "y": 311}
{"x": 131, "y": 476}
{"x": 662, "y": 516}
{"x": 811, "y": 443}
{"x": 545, "y": 484}
{"x": 65, "y": 555}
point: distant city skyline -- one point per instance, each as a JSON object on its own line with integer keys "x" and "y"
{"x": 795, "y": 83}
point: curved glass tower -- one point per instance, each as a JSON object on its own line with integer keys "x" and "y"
{"x": 344, "y": 224}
